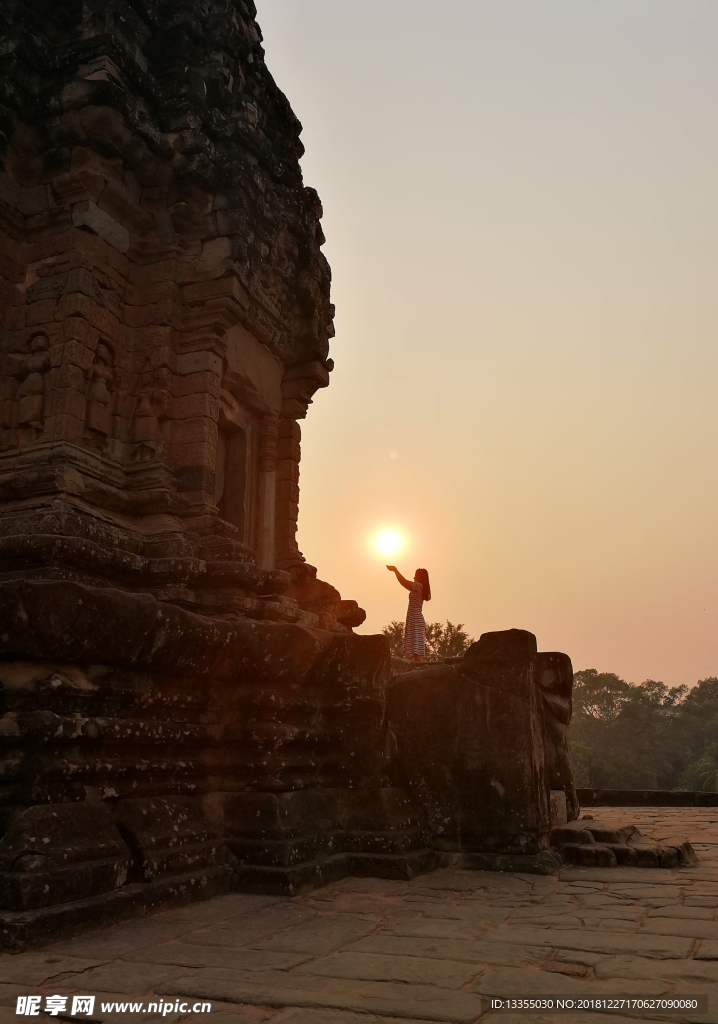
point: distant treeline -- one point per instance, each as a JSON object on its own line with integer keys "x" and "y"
{"x": 645, "y": 735}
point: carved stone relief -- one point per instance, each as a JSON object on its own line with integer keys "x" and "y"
{"x": 152, "y": 412}
{"x": 30, "y": 395}
{"x": 101, "y": 380}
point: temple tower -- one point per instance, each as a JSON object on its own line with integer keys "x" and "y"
{"x": 165, "y": 305}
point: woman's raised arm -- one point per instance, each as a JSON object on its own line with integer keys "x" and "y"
{"x": 404, "y": 583}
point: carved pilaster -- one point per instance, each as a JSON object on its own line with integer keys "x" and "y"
{"x": 267, "y": 492}
{"x": 288, "y": 554}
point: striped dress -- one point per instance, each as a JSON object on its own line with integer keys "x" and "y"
{"x": 415, "y": 625}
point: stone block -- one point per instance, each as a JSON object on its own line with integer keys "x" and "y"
{"x": 33, "y": 200}
{"x": 58, "y": 853}
{"x": 287, "y": 471}
{"x": 554, "y": 677}
{"x": 288, "y": 448}
{"x": 224, "y": 287}
{"x": 199, "y": 362}
{"x": 290, "y": 430}
{"x": 105, "y": 253}
{"x": 74, "y": 353}
{"x": 597, "y": 855}
{"x": 194, "y": 456}
{"x": 486, "y": 789}
{"x": 426, "y": 1002}
{"x": 194, "y": 430}
{"x": 39, "y": 313}
{"x": 285, "y": 530}
{"x": 167, "y": 836}
{"x": 287, "y": 510}
{"x": 197, "y": 383}
{"x": 194, "y": 406}
{"x": 89, "y": 215}
{"x": 66, "y": 402}
{"x": 74, "y": 306}
{"x": 68, "y": 376}
{"x": 288, "y": 490}
{"x": 120, "y": 206}
{"x": 195, "y": 955}
{"x": 559, "y": 810}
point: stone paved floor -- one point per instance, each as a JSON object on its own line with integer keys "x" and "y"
{"x": 369, "y": 951}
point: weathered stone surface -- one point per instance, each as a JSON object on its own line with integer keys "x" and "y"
{"x": 410, "y": 969}
{"x": 314, "y": 1015}
{"x": 168, "y": 307}
{"x": 470, "y": 949}
{"x": 505, "y": 981}
{"x": 658, "y": 946}
{"x": 191, "y": 954}
{"x": 33, "y": 969}
{"x": 423, "y": 1001}
{"x": 481, "y": 788}
{"x": 319, "y": 936}
{"x": 554, "y": 677}
{"x": 691, "y": 928}
{"x": 375, "y": 978}
{"x": 668, "y": 970}
{"x": 115, "y": 978}
{"x": 51, "y": 854}
{"x": 184, "y": 708}
{"x": 88, "y": 215}
{"x": 688, "y": 913}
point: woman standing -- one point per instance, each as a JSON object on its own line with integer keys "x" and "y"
{"x": 419, "y": 591}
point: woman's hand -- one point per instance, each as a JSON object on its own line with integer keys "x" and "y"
{"x": 391, "y": 568}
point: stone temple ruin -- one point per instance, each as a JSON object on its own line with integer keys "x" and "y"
{"x": 185, "y": 707}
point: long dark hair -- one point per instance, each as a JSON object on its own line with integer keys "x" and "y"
{"x": 422, "y": 577}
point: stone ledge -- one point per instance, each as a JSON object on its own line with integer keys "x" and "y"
{"x": 28, "y": 929}
{"x": 645, "y": 798}
{"x": 66, "y": 621}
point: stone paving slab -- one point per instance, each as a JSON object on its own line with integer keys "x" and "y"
{"x": 375, "y": 951}
{"x": 314, "y": 1016}
{"x": 186, "y": 954}
{"x": 411, "y": 969}
{"x": 531, "y": 981}
{"x": 427, "y": 1002}
{"x": 320, "y": 936}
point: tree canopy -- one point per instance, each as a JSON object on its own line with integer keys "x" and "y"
{"x": 645, "y": 735}
{"x": 442, "y": 641}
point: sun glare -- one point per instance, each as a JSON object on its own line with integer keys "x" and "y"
{"x": 388, "y": 542}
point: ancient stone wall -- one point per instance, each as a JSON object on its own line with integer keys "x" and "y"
{"x": 151, "y": 756}
{"x": 184, "y": 708}
{"x": 165, "y": 306}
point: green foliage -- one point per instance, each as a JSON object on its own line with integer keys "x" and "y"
{"x": 581, "y": 764}
{"x": 644, "y": 736}
{"x": 703, "y": 773}
{"x": 395, "y": 632}
{"x": 447, "y": 641}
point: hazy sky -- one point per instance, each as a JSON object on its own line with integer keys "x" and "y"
{"x": 521, "y": 211}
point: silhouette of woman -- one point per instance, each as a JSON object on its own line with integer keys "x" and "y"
{"x": 419, "y": 591}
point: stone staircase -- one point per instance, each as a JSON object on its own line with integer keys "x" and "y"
{"x": 589, "y": 843}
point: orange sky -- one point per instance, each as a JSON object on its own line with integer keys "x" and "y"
{"x": 521, "y": 215}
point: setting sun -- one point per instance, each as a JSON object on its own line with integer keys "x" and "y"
{"x": 388, "y": 541}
